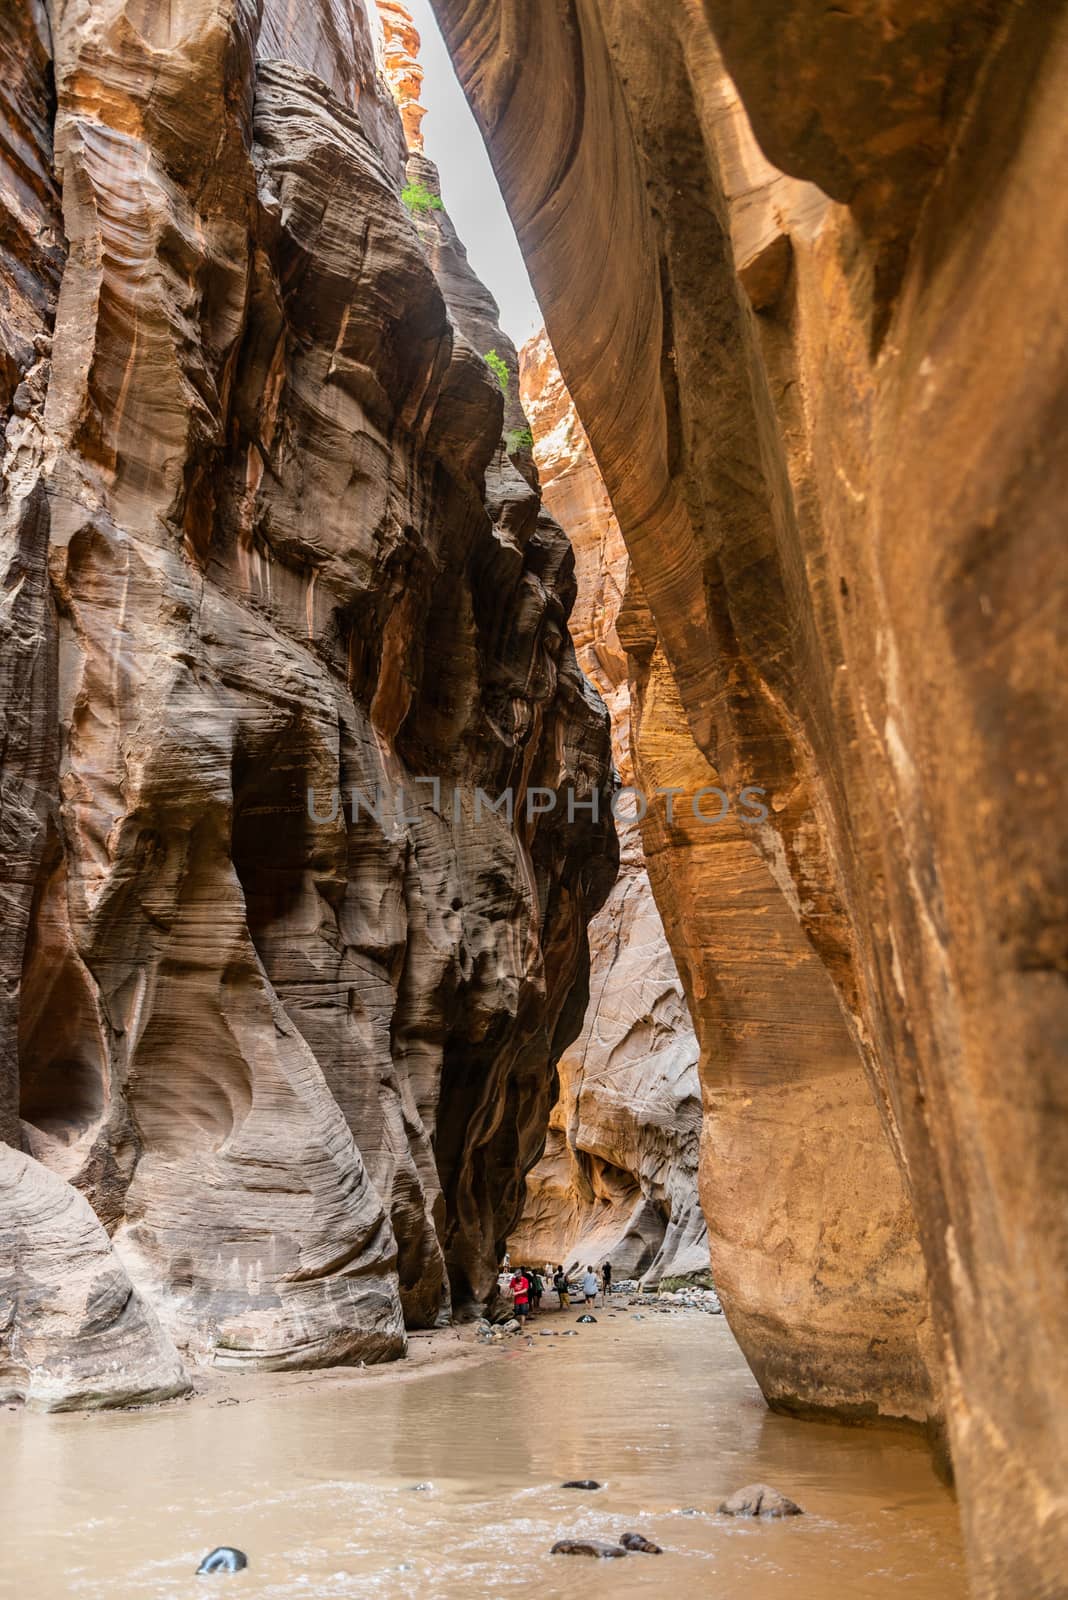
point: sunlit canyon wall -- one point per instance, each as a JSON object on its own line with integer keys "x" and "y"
{"x": 800, "y": 266}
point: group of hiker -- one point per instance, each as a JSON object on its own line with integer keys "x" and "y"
{"x": 528, "y": 1285}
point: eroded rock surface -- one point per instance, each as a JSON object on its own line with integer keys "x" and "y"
{"x": 73, "y": 1332}
{"x": 618, "y": 1180}
{"x": 268, "y": 547}
{"x": 832, "y": 423}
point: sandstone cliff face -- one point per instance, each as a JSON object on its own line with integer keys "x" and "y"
{"x": 827, "y": 399}
{"x": 400, "y": 51}
{"x": 263, "y": 542}
{"x": 618, "y": 1180}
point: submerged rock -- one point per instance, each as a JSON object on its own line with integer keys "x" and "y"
{"x": 586, "y": 1547}
{"x": 638, "y": 1541}
{"x": 581, "y": 1483}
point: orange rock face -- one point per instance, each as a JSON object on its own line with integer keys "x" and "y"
{"x": 618, "y": 1180}
{"x": 827, "y": 399}
{"x": 804, "y": 1201}
{"x": 262, "y": 545}
{"x": 403, "y": 72}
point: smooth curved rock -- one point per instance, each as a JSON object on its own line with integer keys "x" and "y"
{"x": 74, "y": 1333}
{"x": 813, "y": 1240}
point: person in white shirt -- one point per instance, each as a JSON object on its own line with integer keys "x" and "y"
{"x": 590, "y": 1285}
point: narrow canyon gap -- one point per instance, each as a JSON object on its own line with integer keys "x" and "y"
{"x": 799, "y": 266}
{"x": 618, "y": 1180}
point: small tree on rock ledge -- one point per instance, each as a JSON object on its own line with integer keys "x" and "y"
{"x": 498, "y": 367}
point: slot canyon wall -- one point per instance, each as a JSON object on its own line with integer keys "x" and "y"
{"x": 814, "y": 1243}
{"x": 799, "y": 266}
{"x": 270, "y": 1077}
{"x": 618, "y": 1180}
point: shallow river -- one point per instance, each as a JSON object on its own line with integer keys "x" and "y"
{"x": 317, "y": 1482}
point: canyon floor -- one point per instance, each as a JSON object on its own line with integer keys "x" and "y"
{"x": 441, "y": 1476}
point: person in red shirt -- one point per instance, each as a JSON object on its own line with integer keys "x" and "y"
{"x": 520, "y": 1287}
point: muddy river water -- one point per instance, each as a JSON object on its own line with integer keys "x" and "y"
{"x": 317, "y": 1482}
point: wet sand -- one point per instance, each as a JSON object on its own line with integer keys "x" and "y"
{"x": 315, "y": 1475}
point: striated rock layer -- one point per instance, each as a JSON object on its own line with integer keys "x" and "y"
{"x": 263, "y": 547}
{"x": 74, "y": 1333}
{"x": 828, "y": 401}
{"x": 618, "y": 1180}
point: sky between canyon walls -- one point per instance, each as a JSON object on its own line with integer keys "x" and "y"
{"x": 468, "y": 185}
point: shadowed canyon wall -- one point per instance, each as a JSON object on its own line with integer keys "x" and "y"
{"x": 270, "y": 1076}
{"x": 828, "y": 399}
{"x": 618, "y": 1180}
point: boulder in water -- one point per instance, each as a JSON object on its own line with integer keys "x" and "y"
{"x": 581, "y": 1483}
{"x": 223, "y": 1559}
{"x": 757, "y": 1500}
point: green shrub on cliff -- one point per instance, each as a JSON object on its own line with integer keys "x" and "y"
{"x": 419, "y": 200}
{"x": 498, "y": 367}
{"x": 517, "y": 439}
